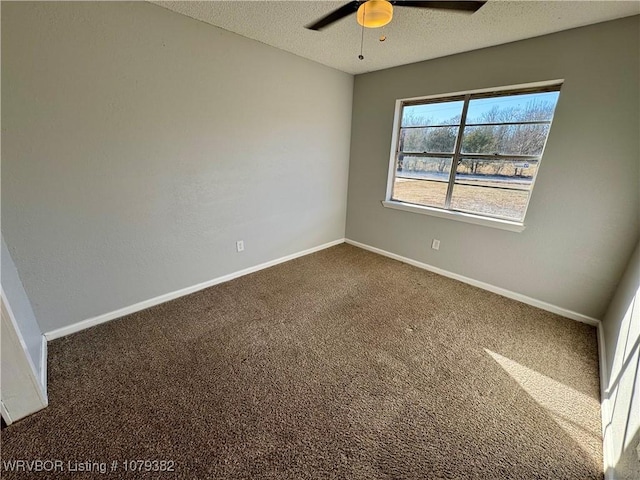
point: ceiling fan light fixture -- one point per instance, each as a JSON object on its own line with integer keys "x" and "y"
{"x": 375, "y": 13}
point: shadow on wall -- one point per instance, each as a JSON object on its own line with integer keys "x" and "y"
{"x": 629, "y": 462}
{"x": 622, "y": 393}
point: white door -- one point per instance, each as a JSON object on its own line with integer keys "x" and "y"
{"x": 21, "y": 392}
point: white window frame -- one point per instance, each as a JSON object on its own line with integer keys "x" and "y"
{"x": 473, "y": 218}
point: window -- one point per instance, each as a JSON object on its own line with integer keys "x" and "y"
{"x": 474, "y": 156}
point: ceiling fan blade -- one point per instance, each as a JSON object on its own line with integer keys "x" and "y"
{"x": 469, "y": 6}
{"x": 336, "y": 15}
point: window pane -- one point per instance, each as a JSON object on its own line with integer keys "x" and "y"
{"x": 492, "y": 202}
{"x": 526, "y": 139}
{"x": 428, "y": 140}
{"x": 511, "y": 173}
{"x": 529, "y": 107}
{"x": 443, "y": 113}
{"x": 498, "y": 188}
{"x": 422, "y": 180}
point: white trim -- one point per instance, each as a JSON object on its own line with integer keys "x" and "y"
{"x": 458, "y": 216}
{"x": 91, "y": 322}
{"x": 391, "y": 174}
{"x": 504, "y": 88}
{"x": 43, "y": 365}
{"x": 5, "y": 414}
{"x": 485, "y": 286}
{"x": 605, "y": 412}
{"x": 33, "y": 371}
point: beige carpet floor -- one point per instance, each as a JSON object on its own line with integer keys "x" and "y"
{"x": 339, "y": 365}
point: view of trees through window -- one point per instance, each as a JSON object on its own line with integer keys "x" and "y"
{"x": 493, "y": 143}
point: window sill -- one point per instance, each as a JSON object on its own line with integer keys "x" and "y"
{"x": 458, "y": 216}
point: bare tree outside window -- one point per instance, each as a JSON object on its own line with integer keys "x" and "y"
{"x": 474, "y": 153}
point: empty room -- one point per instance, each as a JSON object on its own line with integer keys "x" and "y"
{"x": 320, "y": 240}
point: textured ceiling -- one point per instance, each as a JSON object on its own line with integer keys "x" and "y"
{"x": 412, "y": 36}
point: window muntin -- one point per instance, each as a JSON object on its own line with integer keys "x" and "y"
{"x": 496, "y": 141}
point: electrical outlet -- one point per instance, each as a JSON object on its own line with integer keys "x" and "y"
{"x": 240, "y": 245}
{"x": 435, "y": 244}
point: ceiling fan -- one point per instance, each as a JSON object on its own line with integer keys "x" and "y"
{"x": 377, "y": 13}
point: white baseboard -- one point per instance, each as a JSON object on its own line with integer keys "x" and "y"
{"x": 91, "y": 322}
{"x": 605, "y": 411}
{"x": 485, "y": 286}
{"x": 43, "y": 366}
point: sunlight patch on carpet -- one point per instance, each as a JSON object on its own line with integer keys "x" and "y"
{"x": 569, "y": 408}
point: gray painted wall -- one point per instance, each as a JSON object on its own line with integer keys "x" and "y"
{"x": 21, "y": 308}
{"x": 583, "y": 219}
{"x": 138, "y": 145}
{"x": 621, "y": 326}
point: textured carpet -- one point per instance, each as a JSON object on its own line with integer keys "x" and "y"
{"x": 339, "y": 365}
